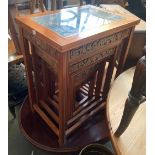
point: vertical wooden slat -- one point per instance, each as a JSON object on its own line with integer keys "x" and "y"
{"x": 62, "y": 97}
{"x": 124, "y": 53}
{"x": 91, "y": 86}
{"x": 27, "y": 60}
{"x": 72, "y": 98}
{"x": 46, "y": 81}
{"x": 99, "y": 79}
{"x": 36, "y": 69}
{"x": 52, "y": 85}
{"x": 109, "y": 73}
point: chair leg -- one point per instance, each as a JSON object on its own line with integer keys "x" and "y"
{"x": 135, "y": 97}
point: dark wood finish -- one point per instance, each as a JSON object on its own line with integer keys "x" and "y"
{"x": 46, "y": 119}
{"x": 75, "y": 66}
{"x": 135, "y": 135}
{"x": 136, "y": 96}
{"x": 109, "y": 73}
{"x": 28, "y": 63}
{"x": 43, "y": 137}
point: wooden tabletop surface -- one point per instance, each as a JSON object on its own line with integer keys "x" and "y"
{"x": 133, "y": 140}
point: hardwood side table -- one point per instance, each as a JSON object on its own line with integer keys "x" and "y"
{"x": 73, "y": 57}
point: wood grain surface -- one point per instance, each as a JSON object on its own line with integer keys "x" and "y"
{"x": 133, "y": 140}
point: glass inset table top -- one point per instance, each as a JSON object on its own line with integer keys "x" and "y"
{"x": 73, "y": 21}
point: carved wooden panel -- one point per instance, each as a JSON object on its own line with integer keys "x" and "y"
{"x": 43, "y": 50}
{"x": 53, "y": 65}
{"x": 91, "y": 60}
{"x": 98, "y": 44}
{"x": 41, "y": 43}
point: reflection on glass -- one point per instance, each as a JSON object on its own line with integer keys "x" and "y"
{"x": 76, "y": 20}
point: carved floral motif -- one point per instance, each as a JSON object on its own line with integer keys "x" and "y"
{"x": 98, "y": 44}
{"x": 91, "y": 60}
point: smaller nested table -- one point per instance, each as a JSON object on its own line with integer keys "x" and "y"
{"x": 70, "y": 56}
{"x": 133, "y": 140}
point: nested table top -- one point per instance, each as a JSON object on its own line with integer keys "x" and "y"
{"x": 133, "y": 140}
{"x": 74, "y": 21}
{"x": 67, "y": 28}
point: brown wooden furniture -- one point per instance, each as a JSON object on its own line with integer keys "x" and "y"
{"x": 72, "y": 71}
{"x": 133, "y": 140}
{"x": 139, "y": 36}
{"x": 19, "y": 8}
{"x": 136, "y": 96}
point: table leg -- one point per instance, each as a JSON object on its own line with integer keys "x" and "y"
{"x": 124, "y": 53}
{"x": 28, "y": 63}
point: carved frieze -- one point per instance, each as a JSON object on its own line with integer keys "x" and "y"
{"x": 40, "y": 43}
{"x": 98, "y": 44}
{"x": 44, "y": 49}
{"x": 90, "y": 60}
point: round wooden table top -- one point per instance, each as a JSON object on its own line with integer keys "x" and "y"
{"x": 133, "y": 140}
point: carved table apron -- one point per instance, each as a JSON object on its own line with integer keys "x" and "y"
{"x": 68, "y": 84}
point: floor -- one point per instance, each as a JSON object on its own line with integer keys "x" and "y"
{"x": 17, "y": 143}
